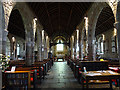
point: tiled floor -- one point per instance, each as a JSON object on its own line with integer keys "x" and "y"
{"x": 61, "y": 76}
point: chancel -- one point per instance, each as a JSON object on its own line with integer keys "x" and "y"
{"x": 59, "y": 44}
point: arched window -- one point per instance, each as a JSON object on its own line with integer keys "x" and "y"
{"x": 101, "y": 48}
{"x": 114, "y": 44}
{"x": 18, "y": 49}
{"x": 114, "y": 41}
{"x": 8, "y": 47}
{"x": 101, "y": 45}
{"x": 60, "y": 45}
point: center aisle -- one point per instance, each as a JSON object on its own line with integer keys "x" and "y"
{"x": 60, "y": 76}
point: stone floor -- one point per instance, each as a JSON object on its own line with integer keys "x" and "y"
{"x": 61, "y": 76}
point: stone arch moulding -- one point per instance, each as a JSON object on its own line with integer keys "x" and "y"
{"x": 19, "y": 7}
{"x": 118, "y": 12}
{"x": 94, "y": 14}
{"x": 27, "y": 16}
{"x": 117, "y": 25}
{"x": 93, "y": 17}
{"x": 16, "y": 25}
{"x": 7, "y": 12}
{"x": 3, "y": 17}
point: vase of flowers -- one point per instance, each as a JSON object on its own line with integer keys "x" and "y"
{"x": 0, "y": 61}
{"x": 4, "y": 62}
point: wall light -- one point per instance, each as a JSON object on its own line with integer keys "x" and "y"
{"x": 86, "y": 24}
{"x": 77, "y": 34}
{"x": 103, "y": 36}
{"x": 42, "y": 36}
{"x": 34, "y": 25}
{"x": 13, "y": 39}
{"x": 46, "y": 38}
{"x": 35, "y": 19}
{"x": 73, "y": 38}
{"x": 115, "y": 31}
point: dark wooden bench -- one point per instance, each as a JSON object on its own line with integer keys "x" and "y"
{"x": 41, "y": 67}
{"x": 91, "y": 66}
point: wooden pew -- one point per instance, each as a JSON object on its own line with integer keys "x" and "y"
{"x": 17, "y": 80}
{"x": 49, "y": 63}
{"x": 42, "y": 67}
{"x": 34, "y": 74}
{"x": 92, "y": 66}
{"x": 38, "y": 67}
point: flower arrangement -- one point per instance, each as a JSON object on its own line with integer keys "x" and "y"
{"x": 4, "y": 61}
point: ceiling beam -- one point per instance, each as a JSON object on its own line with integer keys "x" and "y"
{"x": 105, "y": 21}
{"x": 36, "y": 9}
{"x": 48, "y": 16}
{"x": 70, "y": 15}
{"x": 59, "y": 16}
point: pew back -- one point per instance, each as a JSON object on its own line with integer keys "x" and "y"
{"x": 94, "y": 65}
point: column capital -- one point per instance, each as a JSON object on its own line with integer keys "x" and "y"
{"x": 115, "y": 24}
{"x": 5, "y": 31}
{"x": 4, "y": 36}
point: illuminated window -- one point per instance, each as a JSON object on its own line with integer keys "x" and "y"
{"x": 114, "y": 44}
{"x": 18, "y": 49}
{"x": 101, "y": 45}
{"x": 101, "y": 50}
{"x": 59, "y": 47}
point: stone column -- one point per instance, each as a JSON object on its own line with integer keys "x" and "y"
{"x": 43, "y": 41}
{"x": 81, "y": 50}
{"x": 75, "y": 44}
{"x": 1, "y": 28}
{"x": 104, "y": 47}
{"x": 117, "y": 25}
{"x": 86, "y": 44}
{"x": 4, "y": 31}
{"x": 80, "y": 46}
{"x": 39, "y": 42}
{"x": 72, "y": 48}
{"x": 13, "y": 48}
{"x": 91, "y": 46}
{"x": 4, "y": 41}
{"x": 45, "y": 48}
{"x": 47, "y": 42}
{"x": 29, "y": 47}
{"x": 118, "y": 39}
{"x": 32, "y": 46}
